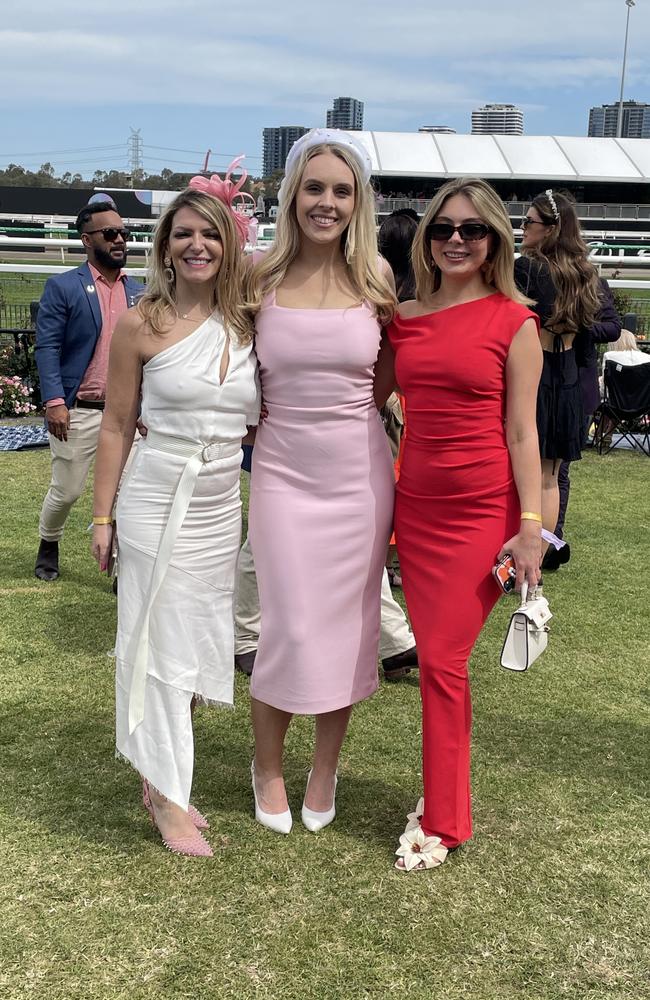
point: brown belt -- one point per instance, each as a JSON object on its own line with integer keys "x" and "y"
{"x": 90, "y": 404}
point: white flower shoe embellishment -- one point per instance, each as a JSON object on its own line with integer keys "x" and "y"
{"x": 416, "y": 851}
{"x": 415, "y": 817}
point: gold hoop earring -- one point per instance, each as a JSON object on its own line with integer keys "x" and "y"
{"x": 168, "y": 270}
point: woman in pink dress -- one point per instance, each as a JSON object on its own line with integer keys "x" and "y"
{"x": 322, "y": 485}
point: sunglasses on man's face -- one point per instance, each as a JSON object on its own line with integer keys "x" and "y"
{"x": 110, "y": 233}
{"x": 470, "y": 232}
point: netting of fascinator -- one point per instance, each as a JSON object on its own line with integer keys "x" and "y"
{"x": 229, "y": 192}
{"x": 326, "y": 137}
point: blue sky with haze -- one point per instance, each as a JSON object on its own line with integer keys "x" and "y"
{"x": 194, "y": 76}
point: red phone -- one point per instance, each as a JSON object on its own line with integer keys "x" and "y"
{"x": 505, "y": 573}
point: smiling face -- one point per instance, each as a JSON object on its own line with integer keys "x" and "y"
{"x": 535, "y": 229}
{"x": 194, "y": 246}
{"x": 325, "y": 199}
{"x": 456, "y": 257}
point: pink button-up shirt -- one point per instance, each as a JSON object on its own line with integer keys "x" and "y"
{"x": 112, "y": 303}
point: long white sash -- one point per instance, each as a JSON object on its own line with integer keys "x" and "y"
{"x": 197, "y": 456}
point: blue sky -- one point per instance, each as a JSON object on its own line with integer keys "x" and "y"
{"x": 193, "y": 76}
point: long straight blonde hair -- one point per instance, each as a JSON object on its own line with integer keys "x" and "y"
{"x": 358, "y": 242}
{"x": 158, "y": 304}
{"x": 499, "y": 268}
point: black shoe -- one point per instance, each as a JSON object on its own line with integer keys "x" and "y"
{"x": 555, "y": 558}
{"x": 244, "y": 662}
{"x": 400, "y": 665}
{"x": 47, "y": 560}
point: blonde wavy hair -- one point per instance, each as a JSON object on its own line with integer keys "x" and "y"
{"x": 158, "y": 304}
{"x": 499, "y": 267}
{"x": 358, "y": 242}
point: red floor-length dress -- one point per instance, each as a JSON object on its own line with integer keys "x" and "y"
{"x": 456, "y": 506}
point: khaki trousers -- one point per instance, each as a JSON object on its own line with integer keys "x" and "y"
{"x": 71, "y": 461}
{"x": 395, "y": 636}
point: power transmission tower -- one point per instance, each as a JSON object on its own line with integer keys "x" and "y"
{"x": 135, "y": 156}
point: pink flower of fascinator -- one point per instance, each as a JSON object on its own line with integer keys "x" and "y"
{"x": 228, "y": 191}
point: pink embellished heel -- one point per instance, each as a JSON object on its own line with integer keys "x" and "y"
{"x": 194, "y": 847}
{"x": 199, "y": 820}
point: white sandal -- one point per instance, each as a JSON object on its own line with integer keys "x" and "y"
{"x": 417, "y": 852}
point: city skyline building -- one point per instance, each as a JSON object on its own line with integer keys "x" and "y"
{"x": 603, "y": 120}
{"x": 277, "y": 143}
{"x": 347, "y": 113}
{"x": 438, "y": 129}
{"x": 498, "y": 119}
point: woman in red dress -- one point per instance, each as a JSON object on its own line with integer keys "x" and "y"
{"x": 468, "y": 359}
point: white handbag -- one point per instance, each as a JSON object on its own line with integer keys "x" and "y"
{"x": 527, "y": 634}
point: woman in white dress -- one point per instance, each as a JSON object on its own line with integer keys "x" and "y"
{"x": 186, "y": 353}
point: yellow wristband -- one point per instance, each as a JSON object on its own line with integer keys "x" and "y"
{"x": 102, "y": 520}
{"x": 529, "y": 515}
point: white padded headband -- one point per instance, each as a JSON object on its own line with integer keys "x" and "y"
{"x": 326, "y": 137}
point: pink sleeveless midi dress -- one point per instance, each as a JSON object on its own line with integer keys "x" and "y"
{"x": 321, "y": 508}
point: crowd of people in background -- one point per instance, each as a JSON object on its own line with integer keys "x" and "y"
{"x": 483, "y": 370}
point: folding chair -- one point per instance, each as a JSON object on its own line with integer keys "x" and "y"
{"x": 625, "y": 409}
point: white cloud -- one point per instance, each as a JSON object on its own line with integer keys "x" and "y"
{"x": 290, "y": 54}
{"x": 271, "y": 63}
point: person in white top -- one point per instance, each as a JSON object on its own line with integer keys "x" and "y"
{"x": 624, "y": 351}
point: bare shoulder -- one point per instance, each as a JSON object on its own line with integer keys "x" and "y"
{"x": 131, "y": 328}
{"x": 409, "y": 309}
{"x": 386, "y": 272}
{"x": 525, "y": 348}
{"x": 384, "y": 266}
{"x": 529, "y": 329}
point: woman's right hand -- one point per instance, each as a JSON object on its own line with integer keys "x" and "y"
{"x": 101, "y": 544}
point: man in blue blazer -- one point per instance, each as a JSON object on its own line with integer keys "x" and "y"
{"x": 76, "y": 318}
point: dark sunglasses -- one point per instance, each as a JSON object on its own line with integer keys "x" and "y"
{"x": 526, "y": 222}
{"x": 110, "y": 234}
{"x": 440, "y": 232}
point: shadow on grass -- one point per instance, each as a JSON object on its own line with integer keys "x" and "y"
{"x": 68, "y": 781}
{"x": 20, "y": 569}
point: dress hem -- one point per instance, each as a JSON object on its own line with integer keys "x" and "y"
{"x": 311, "y": 709}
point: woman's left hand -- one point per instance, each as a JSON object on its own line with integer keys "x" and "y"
{"x": 526, "y": 549}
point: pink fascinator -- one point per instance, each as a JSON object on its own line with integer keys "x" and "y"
{"x": 228, "y": 192}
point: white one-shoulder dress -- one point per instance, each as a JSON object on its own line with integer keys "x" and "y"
{"x": 179, "y": 527}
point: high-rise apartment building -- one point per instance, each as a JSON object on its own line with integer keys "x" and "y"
{"x": 603, "y": 121}
{"x": 277, "y": 143}
{"x": 498, "y": 119}
{"x": 346, "y": 113}
{"x": 438, "y": 129}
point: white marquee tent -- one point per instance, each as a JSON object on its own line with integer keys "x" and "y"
{"x": 557, "y": 158}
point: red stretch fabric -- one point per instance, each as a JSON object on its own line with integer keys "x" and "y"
{"x": 456, "y": 505}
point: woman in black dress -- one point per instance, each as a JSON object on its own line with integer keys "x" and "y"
{"x": 555, "y": 271}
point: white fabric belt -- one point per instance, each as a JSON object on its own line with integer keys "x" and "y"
{"x": 197, "y": 455}
{"x": 190, "y": 449}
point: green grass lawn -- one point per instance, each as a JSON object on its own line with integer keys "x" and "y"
{"x": 549, "y": 901}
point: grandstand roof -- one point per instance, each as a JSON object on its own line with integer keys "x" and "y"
{"x": 431, "y": 154}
